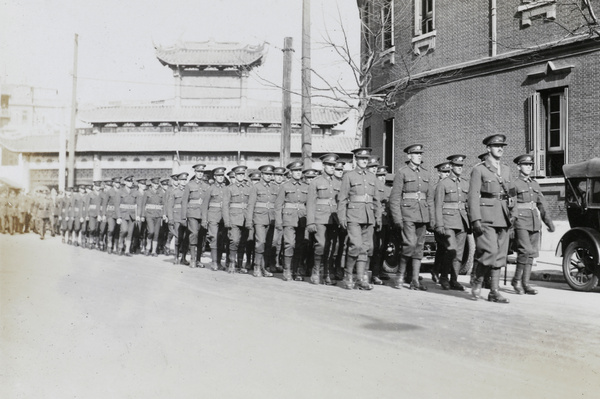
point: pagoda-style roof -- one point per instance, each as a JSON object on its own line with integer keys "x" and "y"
{"x": 163, "y": 113}
{"x": 211, "y": 54}
{"x": 171, "y": 142}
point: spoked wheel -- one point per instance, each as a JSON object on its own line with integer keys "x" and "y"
{"x": 579, "y": 266}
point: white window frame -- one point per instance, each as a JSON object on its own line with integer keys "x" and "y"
{"x": 385, "y": 23}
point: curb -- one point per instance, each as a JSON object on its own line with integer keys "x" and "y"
{"x": 548, "y": 275}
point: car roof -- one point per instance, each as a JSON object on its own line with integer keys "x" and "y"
{"x": 589, "y": 168}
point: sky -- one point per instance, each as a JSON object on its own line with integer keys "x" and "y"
{"x": 116, "y": 58}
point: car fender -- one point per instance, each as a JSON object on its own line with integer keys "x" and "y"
{"x": 585, "y": 233}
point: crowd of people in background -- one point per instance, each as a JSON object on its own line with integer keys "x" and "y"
{"x": 329, "y": 226}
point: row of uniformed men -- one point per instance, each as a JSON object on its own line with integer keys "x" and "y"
{"x": 17, "y": 211}
{"x": 489, "y": 204}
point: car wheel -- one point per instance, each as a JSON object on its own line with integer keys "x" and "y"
{"x": 579, "y": 266}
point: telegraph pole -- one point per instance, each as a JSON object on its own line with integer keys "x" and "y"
{"x": 286, "y": 110}
{"x": 72, "y": 133}
{"x": 306, "y": 103}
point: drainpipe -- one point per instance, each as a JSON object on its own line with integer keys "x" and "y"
{"x": 493, "y": 28}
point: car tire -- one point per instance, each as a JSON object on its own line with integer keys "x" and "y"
{"x": 579, "y": 266}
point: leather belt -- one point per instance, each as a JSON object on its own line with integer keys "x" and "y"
{"x": 195, "y": 201}
{"x": 239, "y": 205}
{"x": 92, "y": 206}
{"x": 501, "y": 197}
{"x": 453, "y": 205}
{"x": 526, "y": 205}
{"x": 366, "y": 198}
{"x": 127, "y": 206}
{"x": 154, "y": 206}
{"x": 268, "y": 205}
{"x": 176, "y": 206}
{"x": 417, "y": 195}
{"x": 294, "y": 205}
{"x": 215, "y": 205}
{"x": 110, "y": 207}
{"x": 326, "y": 201}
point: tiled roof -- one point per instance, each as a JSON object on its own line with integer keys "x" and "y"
{"x": 157, "y": 113}
{"x": 211, "y": 54}
{"x": 171, "y": 142}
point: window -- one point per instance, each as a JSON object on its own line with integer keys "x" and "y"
{"x": 387, "y": 24}
{"x": 4, "y": 101}
{"x": 548, "y": 131}
{"x": 424, "y": 17}
{"x": 388, "y": 145}
{"x": 367, "y": 137}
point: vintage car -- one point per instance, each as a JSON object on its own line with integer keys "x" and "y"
{"x": 580, "y": 246}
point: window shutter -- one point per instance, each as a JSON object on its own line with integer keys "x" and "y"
{"x": 564, "y": 122}
{"x": 536, "y": 137}
{"x": 418, "y": 17}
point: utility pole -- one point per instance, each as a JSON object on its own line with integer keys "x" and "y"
{"x": 286, "y": 110}
{"x": 72, "y": 133}
{"x": 306, "y": 103}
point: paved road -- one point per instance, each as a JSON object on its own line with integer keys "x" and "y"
{"x": 77, "y": 323}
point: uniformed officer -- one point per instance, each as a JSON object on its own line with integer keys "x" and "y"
{"x": 153, "y": 213}
{"x": 128, "y": 212}
{"x": 254, "y": 177}
{"x": 492, "y": 213}
{"x": 359, "y": 212}
{"x": 261, "y": 205}
{"x": 411, "y": 205}
{"x": 173, "y": 182}
{"x": 290, "y": 217}
{"x": 77, "y": 214}
{"x": 177, "y": 223}
{"x": 443, "y": 170}
{"x": 452, "y": 221}
{"x": 43, "y": 206}
{"x": 193, "y": 195}
{"x": 236, "y": 217}
{"x": 383, "y": 237}
{"x": 322, "y": 220}
{"x": 93, "y": 213}
{"x": 278, "y": 180}
{"x": 64, "y": 214}
{"x": 138, "y": 240}
{"x": 530, "y": 201}
{"x": 212, "y": 216}
{"x": 109, "y": 213}
{"x": 340, "y": 243}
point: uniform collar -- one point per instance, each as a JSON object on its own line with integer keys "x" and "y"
{"x": 525, "y": 178}
{"x": 296, "y": 182}
{"x": 361, "y": 171}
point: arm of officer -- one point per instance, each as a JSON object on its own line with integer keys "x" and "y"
{"x": 473, "y": 199}
{"x": 184, "y": 200}
{"x": 430, "y": 196}
{"x": 395, "y": 201}
{"x": 343, "y": 201}
{"x": 311, "y": 202}
{"x": 438, "y": 203}
{"x": 169, "y": 205}
{"x": 250, "y": 207}
{"x": 204, "y": 206}
{"x": 279, "y": 208}
{"x": 226, "y": 202}
{"x": 542, "y": 205}
{"x": 377, "y": 204}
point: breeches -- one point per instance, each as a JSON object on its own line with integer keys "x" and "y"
{"x": 413, "y": 239}
{"x": 492, "y": 246}
{"x": 360, "y": 240}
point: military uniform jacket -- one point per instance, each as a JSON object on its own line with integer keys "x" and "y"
{"x": 488, "y": 198}
{"x": 56, "y": 206}
{"x": 321, "y": 203}
{"x": 93, "y": 205}
{"x": 11, "y": 206}
{"x": 411, "y": 199}
{"x": 130, "y": 202}
{"x": 290, "y": 204}
{"x": 193, "y": 196}
{"x": 212, "y": 206}
{"x": 261, "y": 204}
{"x": 451, "y": 203}
{"x": 2, "y": 209}
{"x": 76, "y": 206}
{"x": 174, "y": 205}
{"x": 359, "y": 200}
{"x": 112, "y": 203}
{"x": 235, "y": 204}
{"x": 529, "y": 200}
{"x": 44, "y": 207}
{"x": 153, "y": 203}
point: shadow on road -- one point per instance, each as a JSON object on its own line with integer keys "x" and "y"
{"x": 383, "y": 325}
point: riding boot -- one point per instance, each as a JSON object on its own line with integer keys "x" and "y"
{"x": 494, "y": 295}
{"x": 399, "y": 279}
{"x": 348, "y": 282}
{"x": 263, "y": 269}
{"x": 287, "y": 268}
{"x": 329, "y": 270}
{"x": 258, "y": 258}
{"x": 193, "y": 256}
{"x": 415, "y": 284}
{"x": 176, "y": 262}
{"x": 213, "y": 255}
{"x": 479, "y": 272}
{"x": 361, "y": 278}
{"x": 516, "y": 281}
{"x": 231, "y": 264}
{"x": 315, "y": 277}
{"x": 529, "y": 290}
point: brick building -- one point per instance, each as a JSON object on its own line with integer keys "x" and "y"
{"x": 458, "y": 71}
{"x": 210, "y": 119}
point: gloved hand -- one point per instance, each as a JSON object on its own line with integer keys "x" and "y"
{"x": 399, "y": 225}
{"x": 311, "y": 228}
{"x": 119, "y": 221}
{"x": 429, "y": 227}
{"x": 278, "y": 227}
{"x": 440, "y": 230}
{"x": 87, "y": 218}
{"x": 81, "y": 220}
{"x": 477, "y": 227}
{"x": 137, "y": 218}
{"x": 204, "y": 224}
{"x": 344, "y": 224}
{"x": 378, "y": 226}
{"x": 550, "y": 225}
{"x": 143, "y": 219}
{"x": 99, "y": 218}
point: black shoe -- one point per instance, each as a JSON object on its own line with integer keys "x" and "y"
{"x": 417, "y": 286}
{"x": 529, "y": 290}
{"x": 495, "y": 296}
{"x": 377, "y": 281}
{"x": 455, "y": 285}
